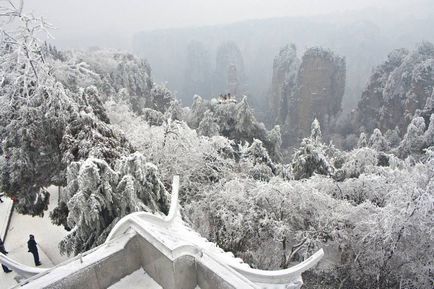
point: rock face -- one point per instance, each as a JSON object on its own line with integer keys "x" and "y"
{"x": 283, "y": 83}
{"x": 398, "y": 89}
{"x": 229, "y": 73}
{"x": 301, "y": 93}
{"x": 233, "y": 80}
{"x": 320, "y": 87}
{"x": 197, "y": 77}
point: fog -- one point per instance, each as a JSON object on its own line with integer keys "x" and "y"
{"x": 112, "y": 23}
{"x": 364, "y": 32}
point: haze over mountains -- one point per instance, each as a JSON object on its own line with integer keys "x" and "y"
{"x": 364, "y": 38}
{"x": 362, "y": 34}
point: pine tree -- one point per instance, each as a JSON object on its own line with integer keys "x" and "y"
{"x": 310, "y": 157}
{"x": 363, "y": 140}
{"x": 413, "y": 142}
{"x": 378, "y": 142}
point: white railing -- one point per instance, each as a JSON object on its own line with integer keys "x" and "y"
{"x": 20, "y": 269}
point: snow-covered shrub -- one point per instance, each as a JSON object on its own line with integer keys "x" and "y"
{"x": 395, "y": 242}
{"x": 261, "y": 222}
{"x": 153, "y": 117}
{"x": 365, "y": 223}
{"x": 359, "y": 161}
{"x": 261, "y": 172}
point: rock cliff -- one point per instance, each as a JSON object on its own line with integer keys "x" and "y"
{"x": 398, "y": 89}
{"x": 303, "y": 92}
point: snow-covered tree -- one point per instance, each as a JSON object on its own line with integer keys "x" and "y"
{"x": 392, "y": 137}
{"x": 208, "y": 125}
{"x": 363, "y": 140}
{"x": 315, "y": 131}
{"x": 32, "y": 117}
{"x": 198, "y": 109}
{"x": 274, "y": 139}
{"x": 429, "y": 133}
{"x": 54, "y": 135}
{"x": 235, "y": 121}
{"x": 255, "y": 159}
{"x": 120, "y": 77}
{"x": 413, "y": 142}
{"x": 367, "y": 221}
{"x": 178, "y": 149}
{"x": 98, "y": 196}
{"x": 378, "y": 142}
{"x": 311, "y": 157}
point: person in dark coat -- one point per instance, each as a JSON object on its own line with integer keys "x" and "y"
{"x": 3, "y": 250}
{"x": 31, "y": 244}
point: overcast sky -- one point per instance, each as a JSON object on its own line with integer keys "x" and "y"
{"x": 90, "y": 18}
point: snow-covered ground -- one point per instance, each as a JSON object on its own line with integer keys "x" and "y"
{"x": 5, "y": 211}
{"x": 47, "y": 236}
{"x": 137, "y": 280}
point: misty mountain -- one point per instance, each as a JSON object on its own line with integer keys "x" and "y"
{"x": 364, "y": 38}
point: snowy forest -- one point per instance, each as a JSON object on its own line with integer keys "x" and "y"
{"x": 272, "y": 188}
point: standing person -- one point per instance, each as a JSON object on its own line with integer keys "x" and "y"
{"x": 3, "y": 250}
{"x": 31, "y": 244}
